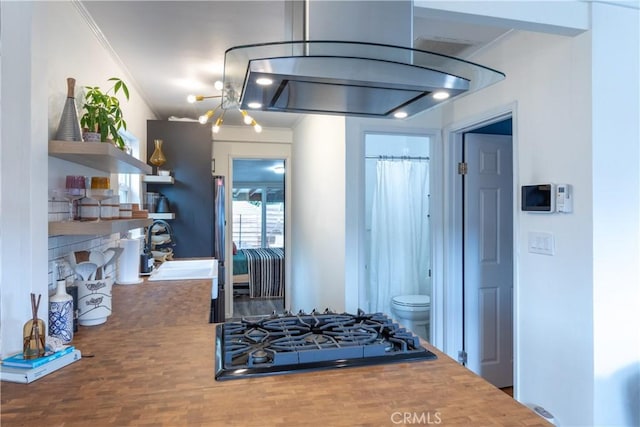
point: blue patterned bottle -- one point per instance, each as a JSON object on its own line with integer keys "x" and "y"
{"x": 61, "y": 313}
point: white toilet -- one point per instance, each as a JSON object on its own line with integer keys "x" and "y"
{"x": 413, "y": 312}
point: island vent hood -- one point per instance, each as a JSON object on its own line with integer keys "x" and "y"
{"x": 346, "y": 78}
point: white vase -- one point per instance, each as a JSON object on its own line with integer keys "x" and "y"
{"x": 94, "y": 301}
{"x": 61, "y": 313}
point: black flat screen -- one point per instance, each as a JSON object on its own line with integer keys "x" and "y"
{"x": 536, "y": 198}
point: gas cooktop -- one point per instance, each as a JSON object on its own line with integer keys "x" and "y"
{"x": 286, "y": 343}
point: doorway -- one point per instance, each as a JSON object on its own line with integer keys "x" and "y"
{"x": 258, "y": 224}
{"x": 487, "y": 249}
{"x": 398, "y": 226}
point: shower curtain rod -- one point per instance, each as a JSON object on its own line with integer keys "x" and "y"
{"x": 396, "y": 158}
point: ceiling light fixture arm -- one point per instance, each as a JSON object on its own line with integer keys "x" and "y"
{"x": 227, "y": 101}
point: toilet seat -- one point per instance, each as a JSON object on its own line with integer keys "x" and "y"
{"x": 412, "y": 301}
{"x": 413, "y": 312}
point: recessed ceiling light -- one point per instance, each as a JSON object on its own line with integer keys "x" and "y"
{"x": 400, "y": 115}
{"x": 440, "y": 95}
{"x": 218, "y": 85}
{"x": 264, "y": 81}
{"x": 254, "y": 105}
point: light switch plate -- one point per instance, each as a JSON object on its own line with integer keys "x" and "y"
{"x": 541, "y": 243}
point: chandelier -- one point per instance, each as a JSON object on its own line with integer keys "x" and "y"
{"x": 210, "y": 115}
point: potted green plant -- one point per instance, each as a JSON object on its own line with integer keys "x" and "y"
{"x": 102, "y": 112}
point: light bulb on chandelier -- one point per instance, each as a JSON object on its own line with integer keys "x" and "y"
{"x": 216, "y": 127}
{"x": 205, "y": 117}
{"x": 248, "y": 120}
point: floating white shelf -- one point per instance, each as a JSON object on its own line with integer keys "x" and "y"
{"x": 98, "y": 155}
{"x": 97, "y": 228}
{"x": 158, "y": 179}
{"x": 105, "y": 157}
{"x": 164, "y": 215}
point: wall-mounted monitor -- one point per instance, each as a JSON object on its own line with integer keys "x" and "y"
{"x": 538, "y": 198}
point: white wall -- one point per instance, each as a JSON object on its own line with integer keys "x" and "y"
{"x": 555, "y": 17}
{"x": 318, "y": 199}
{"x": 243, "y": 142}
{"x": 549, "y": 78}
{"x": 616, "y": 214}
{"x": 328, "y": 179}
{"x": 43, "y": 43}
{"x": 23, "y": 191}
{"x": 73, "y": 50}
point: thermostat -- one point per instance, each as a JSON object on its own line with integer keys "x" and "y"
{"x": 564, "y": 198}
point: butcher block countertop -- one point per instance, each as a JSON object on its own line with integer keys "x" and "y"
{"x": 152, "y": 364}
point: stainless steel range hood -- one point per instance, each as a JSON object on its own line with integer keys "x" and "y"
{"x": 346, "y": 78}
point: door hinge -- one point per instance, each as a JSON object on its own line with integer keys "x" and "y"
{"x": 462, "y": 357}
{"x": 462, "y": 168}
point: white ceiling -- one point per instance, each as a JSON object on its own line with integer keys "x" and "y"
{"x": 174, "y": 48}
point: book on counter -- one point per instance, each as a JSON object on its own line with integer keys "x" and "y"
{"x": 18, "y": 360}
{"x": 28, "y": 375}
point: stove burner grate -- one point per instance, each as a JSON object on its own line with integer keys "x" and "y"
{"x": 288, "y": 342}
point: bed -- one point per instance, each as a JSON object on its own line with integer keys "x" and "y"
{"x": 260, "y": 271}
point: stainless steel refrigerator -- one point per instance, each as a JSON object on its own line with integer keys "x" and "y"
{"x": 219, "y": 224}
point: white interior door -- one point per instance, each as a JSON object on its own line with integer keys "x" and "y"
{"x": 488, "y": 257}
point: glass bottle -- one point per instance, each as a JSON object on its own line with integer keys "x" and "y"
{"x": 157, "y": 157}
{"x": 34, "y": 333}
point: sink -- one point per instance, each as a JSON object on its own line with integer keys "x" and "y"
{"x": 189, "y": 270}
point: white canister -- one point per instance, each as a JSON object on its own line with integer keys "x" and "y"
{"x": 94, "y": 301}
{"x": 61, "y": 313}
{"x": 125, "y": 210}
{"x": 89, "y": 209}
{"x": 111, "y": 208}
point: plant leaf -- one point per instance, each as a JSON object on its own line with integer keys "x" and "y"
{"x": 125, "y": 89}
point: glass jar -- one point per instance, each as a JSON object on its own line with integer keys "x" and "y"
{"x": 100, "y": 183}
{"x": 34, "y": 333}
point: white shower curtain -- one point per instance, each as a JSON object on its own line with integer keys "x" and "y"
{"x": 399, "y": 261}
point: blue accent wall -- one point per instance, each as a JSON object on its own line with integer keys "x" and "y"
{"x": 504, "y": 127}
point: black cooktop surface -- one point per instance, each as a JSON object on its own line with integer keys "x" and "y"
{"x": 286, "y": 343}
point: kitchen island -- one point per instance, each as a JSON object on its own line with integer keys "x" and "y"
{"x": 152, "y": 363}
